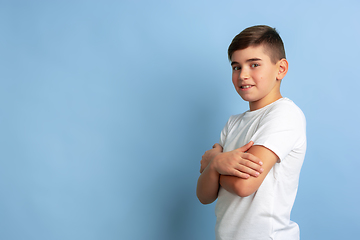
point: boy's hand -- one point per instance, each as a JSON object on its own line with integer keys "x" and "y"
{"x": 209, "y": 155}
{"x": 238, "y": 163}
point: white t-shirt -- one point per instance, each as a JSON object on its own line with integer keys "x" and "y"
{"x": 280, "y": 127}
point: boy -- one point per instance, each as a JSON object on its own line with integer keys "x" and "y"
{"x": 254, "y": 170}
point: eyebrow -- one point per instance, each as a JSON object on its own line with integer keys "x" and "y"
{"x": 249, "y": 60}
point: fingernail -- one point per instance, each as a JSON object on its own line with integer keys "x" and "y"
{"x": 261, "y": 163}
{"x": 261, "y": 169}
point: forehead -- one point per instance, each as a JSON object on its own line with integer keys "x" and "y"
{"x": 252, "y": 52}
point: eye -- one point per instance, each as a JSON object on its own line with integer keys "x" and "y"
{"x": 254, "y": 65}
{"x": 236, "y": 68}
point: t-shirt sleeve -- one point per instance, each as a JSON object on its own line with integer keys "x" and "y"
{"x": 282, "y": 129}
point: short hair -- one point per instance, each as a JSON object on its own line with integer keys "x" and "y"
{"x": 256, "y": 36}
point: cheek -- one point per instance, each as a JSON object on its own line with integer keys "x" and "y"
{"x": 234, "y": 79}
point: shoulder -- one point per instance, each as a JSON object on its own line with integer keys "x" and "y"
{"x": 233, "y": 119}
{"x": 282, "y": 128}
{"x": 231, "y": 124}
{"x": 285, "y": 111}
{"x": 285, "y": 105}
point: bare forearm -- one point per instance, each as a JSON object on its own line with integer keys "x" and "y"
{"x": 228, "y": 183}
{"x": 238, "y": 186}
{"x": 208, "y": 185}
{"x": 245, "y": 187}
{"x": 226, "y": 169}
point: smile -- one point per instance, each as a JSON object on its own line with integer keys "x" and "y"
{"x": 246, "y": 86}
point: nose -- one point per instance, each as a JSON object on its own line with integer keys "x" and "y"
{"x": 244, "y": 74}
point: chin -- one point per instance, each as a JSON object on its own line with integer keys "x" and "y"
{"x": 247, "y": 99}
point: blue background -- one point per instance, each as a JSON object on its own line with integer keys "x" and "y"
{"x": 107, "y": 106}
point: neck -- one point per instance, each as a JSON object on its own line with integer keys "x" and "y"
{"x": 264, "y": 102}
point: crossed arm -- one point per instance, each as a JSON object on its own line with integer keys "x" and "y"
{"x": 239, "y": 171}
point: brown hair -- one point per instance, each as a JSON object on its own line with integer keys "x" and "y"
{"x": 256, "y": 36}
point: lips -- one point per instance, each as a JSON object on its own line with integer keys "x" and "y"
{"x": 246, "y": 86}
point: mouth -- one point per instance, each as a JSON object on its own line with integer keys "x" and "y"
{"x": 246, "y": 86}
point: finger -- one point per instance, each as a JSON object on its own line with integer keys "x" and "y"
{"x": 247, "y": 170}
{"x": 246, "y": 147}
{"x": 252, "y": 158}
{"x": 240, "y": 174}
{"x": 254, "y": 166}
{"x": 216, "y": 145}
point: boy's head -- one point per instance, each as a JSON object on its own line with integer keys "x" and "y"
{"x": 257, "y": 36}
{"x": 258, "y": 64}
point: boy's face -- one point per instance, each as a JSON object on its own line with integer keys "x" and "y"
{"x": 255, "y": 77}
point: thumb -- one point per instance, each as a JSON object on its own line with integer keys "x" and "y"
{"x": 246, "y": 147}
{"x": 218, "y": 147}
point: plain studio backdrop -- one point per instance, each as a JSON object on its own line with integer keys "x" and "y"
{"x": 106, "y": 108}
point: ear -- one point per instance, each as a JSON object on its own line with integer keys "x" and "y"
{"x": 283, "y": 67}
